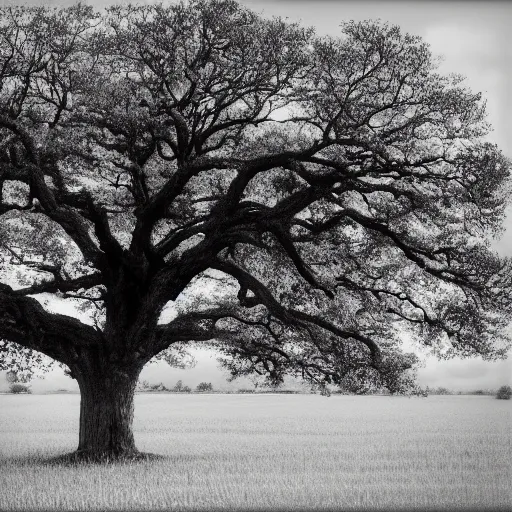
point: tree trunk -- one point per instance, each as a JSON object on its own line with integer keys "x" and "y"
{"x": 106, "y": 414}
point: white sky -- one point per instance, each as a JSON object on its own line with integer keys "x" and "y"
{"x": 474, "y": 38}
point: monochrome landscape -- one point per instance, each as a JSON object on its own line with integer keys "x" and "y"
{"x": 267, "y": 452}
{"x": 306, "y": 225}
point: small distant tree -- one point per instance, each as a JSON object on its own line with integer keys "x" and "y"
{"x": 18, "y": 382}
{"x": 441, "y": 391}
{"x": 19, "y": 388}
{"x": 504, "y": 393}
{"x": 178, "y": 386}
{"x": 204, "y": 386}
{"x": 143, "y": 385}
{"x": 11, "y": 377}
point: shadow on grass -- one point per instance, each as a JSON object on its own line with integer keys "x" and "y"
{"x": 85, "y": 459}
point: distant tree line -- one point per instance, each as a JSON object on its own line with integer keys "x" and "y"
{"x": 503, "y": 393}
{"x": 179, "y": 387}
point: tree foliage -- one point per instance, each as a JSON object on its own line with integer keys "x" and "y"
{"x": 17, "y": 388}
{"x": 196, "y": 174}
{"x": 204, "y": 386}
{"x": 504, "y": 393}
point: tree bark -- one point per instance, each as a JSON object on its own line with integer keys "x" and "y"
{"x": 106, "y": 413}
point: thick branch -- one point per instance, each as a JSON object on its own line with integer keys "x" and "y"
{"x": 69, "y": 220}
{"x": 290, "y": 316}
{"x": 24, "y": 321}
{"x": 62, "y": 285}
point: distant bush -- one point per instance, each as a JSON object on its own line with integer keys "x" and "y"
{"x": 178, "y": 388}
{"x": 480, "y": 392}
{"x": 419, "y": 391}
{"x": 504, "y": 393}
{"x": 19, "y": 388}
{"x": 158, "y": 387}
{"x": 204, "y": 386}
{"x": 270, "y": 391}
{"x": 440, "y": 391}
{"x": 143, "y": 385}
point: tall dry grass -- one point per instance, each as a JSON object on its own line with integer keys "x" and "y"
{"x": 267, "y": 452}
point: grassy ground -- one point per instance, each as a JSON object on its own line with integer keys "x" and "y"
{"x": 267, "y": 452}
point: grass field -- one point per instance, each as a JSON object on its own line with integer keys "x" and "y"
{"x": 267, "y": 452}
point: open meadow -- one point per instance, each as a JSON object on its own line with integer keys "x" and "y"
{"x": 267, "y": 452}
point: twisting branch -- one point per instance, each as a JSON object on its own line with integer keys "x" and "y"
{"x": 421, "y": 257}
{"x": 284, "y": 239}
{"x": 23, "y": 320}
{"x": 68, "y": 219}
{"x": 287, "y": 315}
{"x": 62, "y": 285}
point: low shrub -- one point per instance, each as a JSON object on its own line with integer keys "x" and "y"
{"x": 419, "y": 391}
{"x": 19, "y": 388}
{"x": 440, "y": 391}
{"x": 143, "y": 385}
{"x": 245, "y": 391}
{"x": 504, "y": 393}
{"x": 204, "y": 386}
{"x": 158, "y": 387}
{"x": 480, "y": 392}
{"x": 178, "y": 388}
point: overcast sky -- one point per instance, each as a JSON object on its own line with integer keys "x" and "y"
{"x": 474, "y": 38}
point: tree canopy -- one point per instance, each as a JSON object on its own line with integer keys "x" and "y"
{"x": 303, "y": 201}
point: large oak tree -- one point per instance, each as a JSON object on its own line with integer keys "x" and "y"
{"x": 303, "y": 201}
